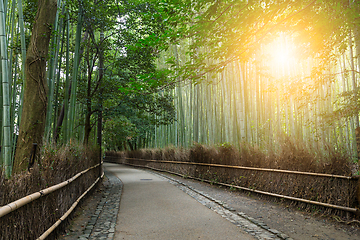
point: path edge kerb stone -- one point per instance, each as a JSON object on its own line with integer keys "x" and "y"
{"x": 103, "y": 222}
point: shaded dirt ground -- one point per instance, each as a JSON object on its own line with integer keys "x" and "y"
{"x": 293, "y": 222}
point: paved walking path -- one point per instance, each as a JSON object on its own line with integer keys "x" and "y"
{"x": 151, "y": 208}
{"x": 139, "y": 204}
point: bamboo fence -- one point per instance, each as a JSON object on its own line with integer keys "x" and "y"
{"x": 4, "y": 210}
{"x": 249, "y": 168}
{"x": 343, "y": 208}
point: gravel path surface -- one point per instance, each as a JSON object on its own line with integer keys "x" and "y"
{"x": 93, "y": 220}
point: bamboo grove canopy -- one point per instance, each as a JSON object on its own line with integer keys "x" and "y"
{"x": 177, "y": 72}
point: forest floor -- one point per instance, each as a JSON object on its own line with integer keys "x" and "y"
{"x": 293, "y": 222}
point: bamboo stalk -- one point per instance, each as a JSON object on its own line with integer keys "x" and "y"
{"x": 11, "y": 38}
{"x": 6, "y": 134}
{"x": 55, "y": 46}
{"x": 25, "y": 200}
{"x": 248, "y": 168}
{"x": 56, "y": 100}
{"x": 67, "y": 82}
{"x": 23, "y": 56}
{"x": 72, "y": 106}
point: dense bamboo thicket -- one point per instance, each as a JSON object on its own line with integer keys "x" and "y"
{"x": 274, "y": 93}
{"x": 65, "y": 68}
{"x": 15, "y": 29}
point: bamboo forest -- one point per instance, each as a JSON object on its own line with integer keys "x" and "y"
{"x": 134, "y": 74}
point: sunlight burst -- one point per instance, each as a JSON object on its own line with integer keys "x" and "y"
{"x": 281, "y": 52}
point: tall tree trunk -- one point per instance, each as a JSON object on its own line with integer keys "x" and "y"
{"x": 35, "y": 95}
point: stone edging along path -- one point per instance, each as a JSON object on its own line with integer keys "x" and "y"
{"x": 103, "y": 221}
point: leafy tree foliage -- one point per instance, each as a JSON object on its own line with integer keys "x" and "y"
{"x": 125, "y": 25}
{"x": 117, "y": 131}
{"x": 131, "y": 94}
{"x": 221, "y": 32}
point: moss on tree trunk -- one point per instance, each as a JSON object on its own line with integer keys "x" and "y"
{"x": 35, "y": 95}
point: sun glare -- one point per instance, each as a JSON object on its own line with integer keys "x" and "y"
{"x": 281, "y": 52}
{"x": 281, "y": 56}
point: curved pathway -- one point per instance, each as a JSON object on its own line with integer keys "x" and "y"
{"x": 139, "y": 204}
{"x": 149, "y": 205}
{"x": 152, "y": 208}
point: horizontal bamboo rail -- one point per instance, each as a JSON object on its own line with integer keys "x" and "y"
{"x": 348, "y": 209}
{"x": 25, "y": 200}
{"x": 58, "y": 222}
{"x": 248, "y": 168}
